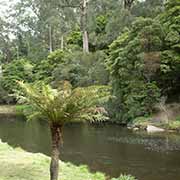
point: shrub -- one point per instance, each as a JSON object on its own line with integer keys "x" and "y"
{"x": 43, "y": 70}
{"x": 16, "y": 70}
{"x": 136, "y": 90}
{"x": 125, "y": 177}
{"x": 82, "y": 69}
{"x": 175, "y": 125}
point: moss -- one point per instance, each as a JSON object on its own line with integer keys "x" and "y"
{"x": 17, "y": 164}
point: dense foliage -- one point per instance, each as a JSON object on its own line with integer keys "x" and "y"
{"x": 144, "y": 63}
{"x": 133, "y": 47}
{"x": 20, "y": 69}
{"x": 64, "y": 104}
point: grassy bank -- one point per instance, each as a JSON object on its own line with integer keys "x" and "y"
{"x": 171, "y": 125}
{"x": 7, "y": 109}
{"x": 17, "y": 164}
{"x": 12, "y": 109}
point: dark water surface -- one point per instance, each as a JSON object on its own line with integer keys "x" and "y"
{"x": 107, "y": 148}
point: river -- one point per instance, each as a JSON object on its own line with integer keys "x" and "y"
{"x": 107, "y": 148}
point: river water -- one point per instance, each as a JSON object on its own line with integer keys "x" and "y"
{"x": 107, "y": 148}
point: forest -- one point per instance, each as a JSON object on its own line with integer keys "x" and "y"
{"x": 109, "y": 60}
{"x": 131, "y": 46}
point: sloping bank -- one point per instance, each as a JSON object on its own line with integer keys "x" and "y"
{"x": 16, "y": 164}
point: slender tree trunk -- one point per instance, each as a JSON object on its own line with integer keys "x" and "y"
{"x": 56, "y": 132}
{"x": 17, "y": 52}
{"x": 85, "y": 42}
{"x": 84, "y": 26}
{"x": 28, "y": 48}
{"x": 62, "y": 42}
{"x": 1, "y": 72}
{"x": 50, "y": 39}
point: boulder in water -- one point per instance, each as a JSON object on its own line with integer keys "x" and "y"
{"x": 153, "y": 129}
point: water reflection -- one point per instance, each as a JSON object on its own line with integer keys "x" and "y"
{"x": 106, "y": 148}
{"x": 155, "y": 142}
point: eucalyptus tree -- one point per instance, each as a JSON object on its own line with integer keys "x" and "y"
{"x": 80, "y": 7}
{"x": 42, "y": 13}
{"x": 63, "y": 105}
{"x": 148, "y": 8}
{"x": 6, "y": 43}
{"x": 41, "y": 24}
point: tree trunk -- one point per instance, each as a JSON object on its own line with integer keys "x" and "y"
{"x": 85, "y": 42}
{"x": 17, "y": 52}
{"x": 56, "y": 131}
{"x": 1, "y": 72}
{"x": 50, "y": 39}
{"x": 62, "y": 42}
{"x": 84, "y": 26}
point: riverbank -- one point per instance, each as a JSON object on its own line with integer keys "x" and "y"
{"x": 168, "y": 120}
{"x": 8, "y": 109}
{"x": 17, "y": 164}
{"x": 166, "y": 117}
{"x": 142, "y": 123}
{"x": 12, "y": 110}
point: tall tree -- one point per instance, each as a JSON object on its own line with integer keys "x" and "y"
{"x": 80, "y": 6}
{"x": 5, "y": 41}
{"x": 84, "y": 5}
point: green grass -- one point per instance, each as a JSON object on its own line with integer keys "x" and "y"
{"x": 17, "y": 164}
{"x": 20, "y": 109}
{"x": 173, "y": 125}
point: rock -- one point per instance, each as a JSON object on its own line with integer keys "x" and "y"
{"x": 136, "y": 129}
{"x": 153, "y": 129}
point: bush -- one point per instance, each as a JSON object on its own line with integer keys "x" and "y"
{"x": 174, "y": 125}
{"x": 82, "y": 69}
{"x": 4, "y": 96}
{"x": 75, "y": 38}
{"x": 17, "y": 70}
{"x": 130, "y": 57}
{"x": 178, "y": 118}
{"x": 125, "y": 177}
{"x": 43, "y": 70}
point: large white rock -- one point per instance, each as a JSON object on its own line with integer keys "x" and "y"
{"x": 152, "y": 129}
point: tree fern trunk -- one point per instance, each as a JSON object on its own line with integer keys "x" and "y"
{"x": 56, "y": 131}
